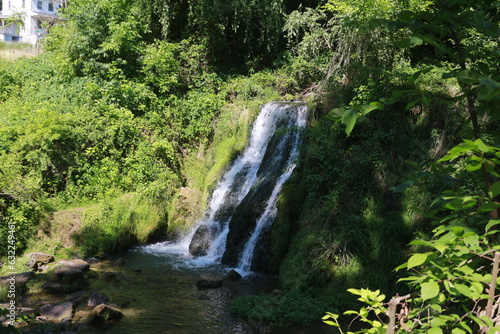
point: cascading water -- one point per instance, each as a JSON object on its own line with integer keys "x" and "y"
{"x": 243, "y": 205}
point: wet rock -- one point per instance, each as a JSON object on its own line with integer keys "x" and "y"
{"x": 53, "y": 286}
{"x": 70, "y": 274}
{"x": 83, "y": 317}
{"x": 81, "y": 265}
{"x": 42, "y": 257}
{"x": 202, "y": 239}
{"x": 105, "y": 312}
{"x": 209, "y": 284}
{"x": 32, "y": 265}
{"x": 57, "y": 312}
{"x": 97, "y": 298}
{"x": 233, "y": 275}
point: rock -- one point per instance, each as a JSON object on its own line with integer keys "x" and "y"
{"x": 105, "y": 312}
{"x": 202, "y": 239}
{"x": 209, "y": 284}
{"x": 81, "y": 265}
{"x": 57, "y": 312}
{"x": 53, "y": 286}
{"x": 92, "y": 260}
{"x": 76, "y": 297}
{"x": 70, "y": 274}
{"x": 97, "y": 298}
{"x": 233, "y": 275}
{"x": 42, "y": 257}
{"x": 32, "y": 265}
{"x": 83, "y": 317}
{"x": 19, "y": 280}
{"x": 44, "y": 268}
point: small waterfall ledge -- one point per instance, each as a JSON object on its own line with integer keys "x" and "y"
{"x": 235, "y": 228}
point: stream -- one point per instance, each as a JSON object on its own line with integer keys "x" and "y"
{"x": 157, "y": 290}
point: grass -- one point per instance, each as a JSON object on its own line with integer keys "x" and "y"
{"x": 15, "y": 50}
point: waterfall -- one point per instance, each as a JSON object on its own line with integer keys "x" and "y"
{"x": 243, "y": 204}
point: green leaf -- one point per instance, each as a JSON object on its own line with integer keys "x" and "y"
{"x": 349, "y": 120}
{"x": 410, "y": 42}
{"x": 365, "y": 109}
{"x": 435, "y": 330}
{"x": 417, "y": 259}
{"x": 473, "y": 166}
{"x": 486, "y": 207}
{"x": 464, "y": 290}
{"x": 491, "y": 223}
{"x": 335, "y": 114}
{"x": 467, "y": 77}
{"x": 494, "y": 190}
{"x": 429, "y": 290}
{"x": 489, "y": 82}
{"x": 457, "y": 331}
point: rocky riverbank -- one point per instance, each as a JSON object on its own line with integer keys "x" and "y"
{"x": 60, "y": 297}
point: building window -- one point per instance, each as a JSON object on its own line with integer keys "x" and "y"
{"x": 1, "y": 5}
{"x": 51, "y": 7}
{"x": 39, "y": 4}
{"x": 24, "y": 3}
{"x": 39, "y": 24}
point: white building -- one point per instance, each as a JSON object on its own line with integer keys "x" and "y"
{"x": 27, "y": 20}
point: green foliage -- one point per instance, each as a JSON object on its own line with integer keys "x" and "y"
{"x": 459, "y": 266}
{"x": 128, "y": 220}
{"x": 293, "y": 307}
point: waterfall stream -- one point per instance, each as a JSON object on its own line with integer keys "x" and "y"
{"x": 243, "y": 205}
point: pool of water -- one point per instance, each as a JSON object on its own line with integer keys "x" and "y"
{"x": 158, "y": 294}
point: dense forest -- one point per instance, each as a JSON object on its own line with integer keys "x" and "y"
{"x": 127, "y": 119}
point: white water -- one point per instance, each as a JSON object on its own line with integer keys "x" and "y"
{"x": 235, "y": 185}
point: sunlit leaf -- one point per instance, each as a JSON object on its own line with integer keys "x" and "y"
{"x": 435, "y": 330}
{"x": 429, "y": 290}
{"x": 417, "y": 259}
{"x": 349, "y": 120}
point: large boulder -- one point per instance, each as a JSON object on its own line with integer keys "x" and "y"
{"x": 97, "y": 298}
{"x": 105, "y": 312}
{"x": 71, "y": 275}
{"x": 202, "y": 240}
{"x": 232, "y": 275}
{"x": 19, "y": 280}
{"x": 81, "y": 265}
{"x": 54, "y": 287}
{"x": 42, "y": 258}
{"x": 57, "y": 312}
{"x": 83, "y": 317}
